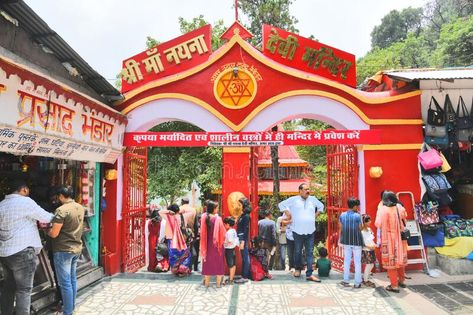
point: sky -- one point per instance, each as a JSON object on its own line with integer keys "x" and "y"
{"x": 105, "y": 32}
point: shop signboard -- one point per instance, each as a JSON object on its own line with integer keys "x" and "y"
{"x": 37, "y": 119}
{"x": 308, "y": 55}
{"x": 238, "y": 139}
{"x": 174, "y": 56}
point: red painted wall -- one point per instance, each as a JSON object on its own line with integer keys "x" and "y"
{"x": 111, "y": 229}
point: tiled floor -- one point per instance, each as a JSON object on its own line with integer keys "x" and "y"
{"x": 163, "y": 294}
{"x": 456, "y": 297}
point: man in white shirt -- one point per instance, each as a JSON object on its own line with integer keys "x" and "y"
{"x": 303, "y": 210}
{"x": 19, "y": 246}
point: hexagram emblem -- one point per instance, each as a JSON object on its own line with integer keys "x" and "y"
{"x": 235, "y": 88}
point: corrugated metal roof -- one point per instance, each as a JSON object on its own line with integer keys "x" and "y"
{"x": 44, "y": 35}
{"x": 431, "y": 74}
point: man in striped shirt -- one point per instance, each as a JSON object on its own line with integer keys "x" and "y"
{"x": 19, "y": 246}
{"x": 352, "y": 241}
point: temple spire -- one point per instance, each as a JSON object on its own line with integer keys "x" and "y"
{"x": 236, "y": 10}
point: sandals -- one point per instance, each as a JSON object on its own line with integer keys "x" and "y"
{"x": 391, "y": 289}
{"x": 369, "y": 284}
{"x": 344, "y": 284}
{"x": 402, "y": 285}
{"x": 313, "y": 279}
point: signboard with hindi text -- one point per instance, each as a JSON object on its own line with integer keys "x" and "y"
{"x": 177, "y": 55}
{"x": 308, "y": 55}
{"x": 238, "y": 139}
{"x": 43, "y": 122}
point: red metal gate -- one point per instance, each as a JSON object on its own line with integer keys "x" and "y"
{"x": 342, "y": 183}
{"x": 134, "y": 208}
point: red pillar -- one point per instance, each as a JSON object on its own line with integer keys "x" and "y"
{"x": 110, "y": 228}
{"x": 236, "y": 177}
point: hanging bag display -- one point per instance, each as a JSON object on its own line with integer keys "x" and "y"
{"x": 430, "y": 158}
{"x": 463, "y": 121}
{"x": 442, "y": 142}
{"x": 426, "y": 214}
{"x": 435, "y": 116}
{"x": 436, "y": 131}
{"x": 445, "y": 165}
{"x": 449, "y": 111}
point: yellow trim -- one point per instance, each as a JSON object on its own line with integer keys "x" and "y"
{"x": 381, "y": 147}
{"x": 270, "y": 63}
{"x": 268, "y": 102}
{"x": 266, "y": 165}
{"x": 236, "y": 150}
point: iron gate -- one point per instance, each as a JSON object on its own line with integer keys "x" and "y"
{"x": 134, "y": 208}
{"x": 342, "y": 183}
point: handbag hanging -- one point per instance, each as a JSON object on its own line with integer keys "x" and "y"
{"x": 424, "y": 216}
{"x": 435, "y": 117}
{"x": 463, "y": 120}
{"x": 435, "y": 131}
{"x": 445, "y": 165}
{"x": 442, "y": 142}
{"x": 449, "y": 111}
{"x": 429, "y": 159}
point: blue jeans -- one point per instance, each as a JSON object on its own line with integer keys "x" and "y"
{"x": 18, "y": 272}
{"x": 348, "y": 251}
{"x": 245, "y": 261}
{"x": 66, "y": 270}
{"x": 306, "y": 241}
{"x": 283, "y": 252}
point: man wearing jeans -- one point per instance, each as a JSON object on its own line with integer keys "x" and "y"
{"x": 352, "y": 241}
{"x": 303, "y": 210}
{"x": 67, "y": 245}
{"x": 19, "y": 246}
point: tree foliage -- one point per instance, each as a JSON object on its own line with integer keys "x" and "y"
{"x": 455, "y": 44}
{"x": 171, "y": 170}
{"x": 218, "y": 28}
{"x": 442, "y": 38}
{"x": 395, "y": 26}
{"x": 273, "y": 12}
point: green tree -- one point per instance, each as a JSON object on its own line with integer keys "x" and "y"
{"x": 455, "y": 44}
{"x": 218, "y": 28}
{"x": 395, "y": 26}
{"x": 412, "y": 52}
{"x": 171, "y": 170}
{"x": 273, "y": 12}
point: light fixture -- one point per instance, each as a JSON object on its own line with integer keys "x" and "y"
{"x": 376, "y": 171}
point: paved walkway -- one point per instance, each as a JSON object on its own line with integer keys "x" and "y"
{"x": 148, "y": 293}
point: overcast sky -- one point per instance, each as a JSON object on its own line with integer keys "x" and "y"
{"x": 104, "y": 32}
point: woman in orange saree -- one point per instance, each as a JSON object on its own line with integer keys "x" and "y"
{"x": 390, "y": 219}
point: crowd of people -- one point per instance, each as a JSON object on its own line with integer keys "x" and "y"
{"x": 180, "y": 239}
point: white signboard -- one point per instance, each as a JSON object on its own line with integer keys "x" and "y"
{"x": 38, "y": 121}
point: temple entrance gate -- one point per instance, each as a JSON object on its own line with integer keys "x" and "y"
{"x": 134, "y": 208}
{"x": 238, "y": 88}
{"x": 342, "y": 183}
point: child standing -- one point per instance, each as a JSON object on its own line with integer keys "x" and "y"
{"x": 368, "y": 256}
{"x": 231, "y": 241}
{"x": 323, "y": 264}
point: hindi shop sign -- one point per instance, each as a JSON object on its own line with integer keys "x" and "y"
{"x": 307, "y": 55}
{"x": 36, "y": 121}
{"x": 177, "y": 55}
{"x": 245, "y": 139}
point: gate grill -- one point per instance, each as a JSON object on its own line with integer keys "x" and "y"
{"x": 134, "y": 208}
{"x": 342, "y": 183}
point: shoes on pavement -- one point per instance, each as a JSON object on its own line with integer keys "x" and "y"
{"x": 402, "y": 285}
{"x": 391, "y": 289}
{"x": 344, "y": 284}
{"x": 357, "y": 286}
{"x": 297, "y": 273}
{"x": 369, "y": 284}
{"x": 313, "y": 279}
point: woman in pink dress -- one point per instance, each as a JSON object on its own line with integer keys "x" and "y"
{"x": 212, "y": 237}
{"x": 390, "y": 218}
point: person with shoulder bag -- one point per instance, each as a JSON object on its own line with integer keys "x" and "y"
{"x": 389, "y": 219}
